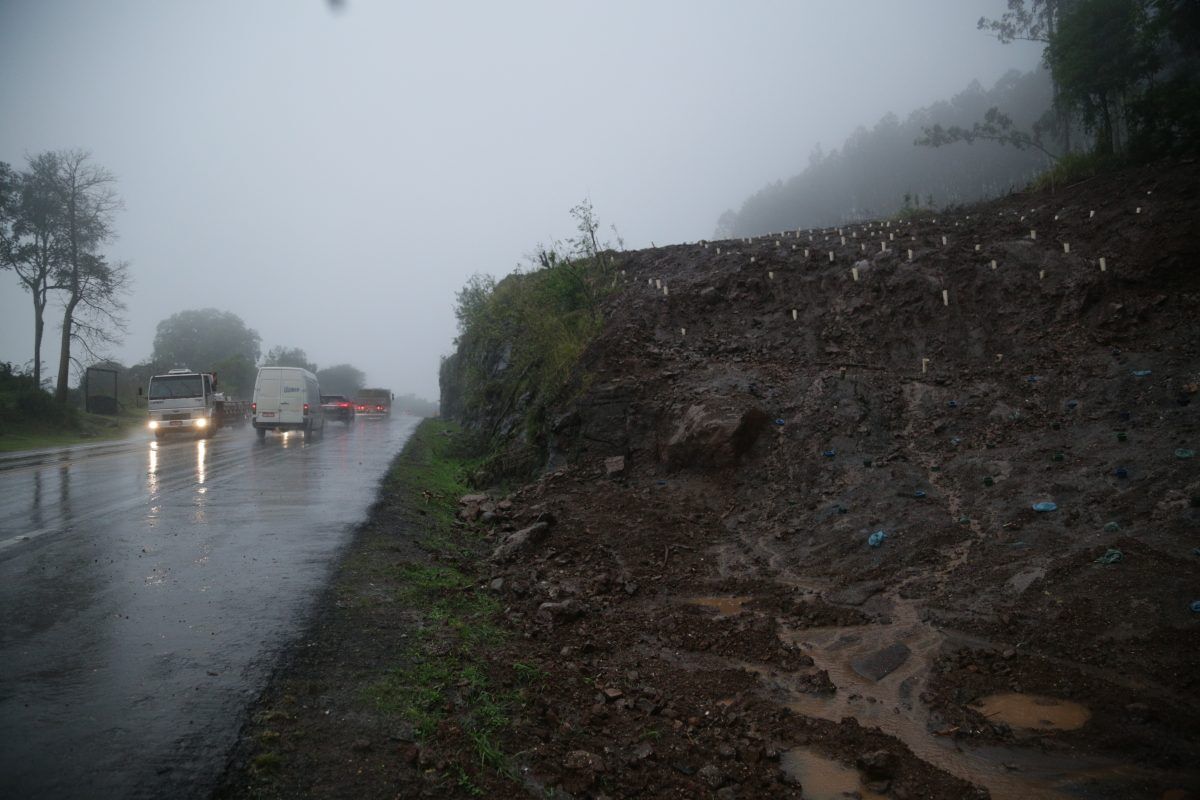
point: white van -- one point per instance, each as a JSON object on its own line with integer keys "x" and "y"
{"x": 286, "y": 399}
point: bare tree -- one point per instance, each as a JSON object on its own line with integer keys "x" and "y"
{"x": 31, "y": 244}
{"x": 92, "y": 286}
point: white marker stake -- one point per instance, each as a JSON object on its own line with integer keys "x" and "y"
{"x": 854, "y": 272}
{"x": 1056, "y": 217}
{"x": 751, "y": 259}
{"x": 1139, "y": 210}
{"x": 1041, "y": 274}
{"x": 978, "y": 247}
{"x": 883, "y": 247}
{"x": 891, "y": 237}
{"x": 843, "y": 240}
{"x": 649, "y": 281}
{"x": 1103, "y": 265}
{"x": 718, "y": 251}
{"x": 830, "y": 256}
{"x": 862, "y": 247}
{"x": 924, "y": 365}
{"x": 664, "y": 291}
{"x": 683, "y": 331}
{"x": 793, "y": 247}
{"x": 943, "y": 241}
{"x": 770, "y": 276}
{"x": 806, "y": 252}
{"x": 1033, "y": 234}
{"x": 1066, "y": 247}
{"x": 1091, "y": 214}
{"x": 910, "y": 255}
{"x": 945, "y": 297}
{"x": 993, "y": 263}
{"x": 795, "y": 315}
{"x": 657, "y": 283}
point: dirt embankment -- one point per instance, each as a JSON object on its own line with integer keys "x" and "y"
{"x": 794, "y": 550}
{"x": 771, "y": 409}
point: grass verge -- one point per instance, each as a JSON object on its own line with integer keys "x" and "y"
{"x": 397, "y": 690}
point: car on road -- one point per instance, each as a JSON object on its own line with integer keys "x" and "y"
{"x": 337, "y": 407}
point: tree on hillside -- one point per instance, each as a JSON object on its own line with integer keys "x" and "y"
{"x": 341, "y": 379}
{"x": 205, "y": 339}
{"x": 1097, "y": 55}
{"x": 280, "y": 356}
{"x": 92, "y": 285}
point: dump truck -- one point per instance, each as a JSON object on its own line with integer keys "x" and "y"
{"x": 183, "y": 401}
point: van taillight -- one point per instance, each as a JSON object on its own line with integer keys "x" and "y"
{"x": 306, "y": 408}
{"x": 254, "y": 406}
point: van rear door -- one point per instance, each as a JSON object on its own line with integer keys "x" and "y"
{"x": 293, "y": 394}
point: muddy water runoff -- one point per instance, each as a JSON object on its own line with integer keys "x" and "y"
{"x": 880, "y": 671}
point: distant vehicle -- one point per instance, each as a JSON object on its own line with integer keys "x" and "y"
{"x": 183, "y": 401}
{"x": 374, "y": 402}
{"x": 337, "y": 406}
{"x": 287, "y": 399}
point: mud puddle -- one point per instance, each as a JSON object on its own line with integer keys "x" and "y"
{"x": 725, "y": 606}
{"x": 1033, "y": 712}
{"x": 822, "y": 778}
{"x": 880, "y": 672}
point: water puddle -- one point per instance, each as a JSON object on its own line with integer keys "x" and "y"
{"x": 725, "y": 606}
{"x": 1033, "y": 712}
{"x": 880, "y": 689}
{"x": 822, "y": 778}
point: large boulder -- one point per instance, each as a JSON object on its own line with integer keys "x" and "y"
{"x": 708, "y": 438}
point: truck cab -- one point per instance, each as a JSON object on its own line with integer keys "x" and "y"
{"x": 181, "y": 401}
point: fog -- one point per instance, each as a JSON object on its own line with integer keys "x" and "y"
{"x": 334, "y": 176}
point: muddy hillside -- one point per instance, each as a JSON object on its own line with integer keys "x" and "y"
{"x": 908, "y": 508}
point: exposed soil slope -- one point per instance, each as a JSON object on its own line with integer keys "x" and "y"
{"x": 773, "y": 412}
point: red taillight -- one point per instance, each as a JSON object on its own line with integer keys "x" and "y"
{"x": 306, "y": 408}
{"x": 254, "y": 406}
{"x": 344, "y": 405}
{"x": 379, "y": 408}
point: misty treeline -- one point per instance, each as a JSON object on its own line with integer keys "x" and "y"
{"x": 1120, "y": 83}
{"x": 1125, "y": 78}
{"x": 875, "y": 169}
{"x": 220, "y": 341}
{"x": 56, "y": 218}
{"x": 519, "y": 338}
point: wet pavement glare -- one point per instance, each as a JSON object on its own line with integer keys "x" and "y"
{"x": 146, "y": 589}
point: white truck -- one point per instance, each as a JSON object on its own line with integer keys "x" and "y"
{"x": 183, "y": 401}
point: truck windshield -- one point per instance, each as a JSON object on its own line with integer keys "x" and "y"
{"x": 176, "y": 386}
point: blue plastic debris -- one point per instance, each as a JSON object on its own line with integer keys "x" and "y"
{"x": 781, "y": 421}
{"x": 952, "y": 404}
{"x": 1183, "y": 453}
{"x": 1195, "y": 606}
{"x": 876, "y": 538}
{"x": 1121, "y": 473}
{"x": 918, "y": 494}
{"x": 1112, "y": 527}
{"x": 1111, "y": 556}
{"x": 1072, "y": 405}
{"x": 1034, "y": 378}
{"x": 1140, "y": 373}
{"x": 1045, "y": 506}
{"x": 1196, "y": 551}
{"x": 954, "y": 440}
{"x": 829, "y": 453}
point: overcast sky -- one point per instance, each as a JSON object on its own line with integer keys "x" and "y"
{"x": 333, "y": 177}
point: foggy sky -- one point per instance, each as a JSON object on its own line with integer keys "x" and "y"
{"x": 333, "y": 177}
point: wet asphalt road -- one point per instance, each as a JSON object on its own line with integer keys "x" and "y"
{"x": 146, "y": 589}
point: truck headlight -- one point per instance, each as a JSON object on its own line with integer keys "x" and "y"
{"x": 201, "y": 423}
{"x": 153, "y": 424}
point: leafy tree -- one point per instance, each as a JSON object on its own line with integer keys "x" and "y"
{"x": 995, "y": 127}
{"x": 1099, "y": 53}
{"x": 341, "y": 379}
{"x": 280, "y": 356}
{"x": 208, "y": 339}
